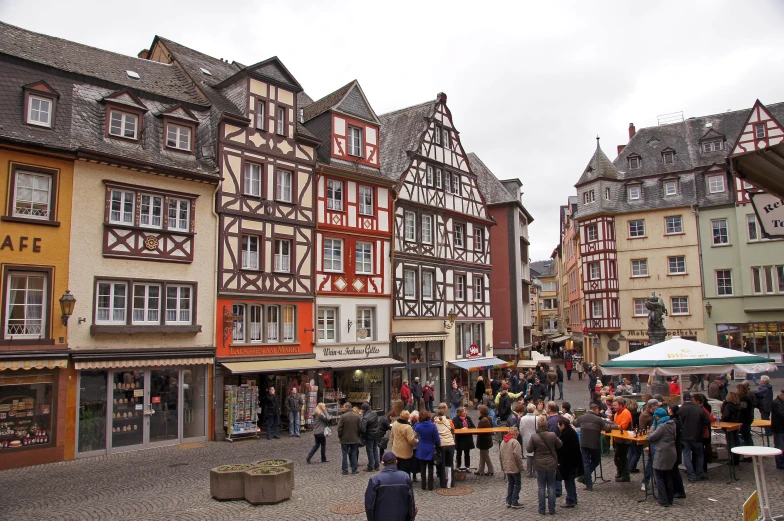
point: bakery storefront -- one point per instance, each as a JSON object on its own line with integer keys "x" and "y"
{"x": 357, "y": 373}
{"x": 150, "y": 398}
{"x": 422, "y": 356}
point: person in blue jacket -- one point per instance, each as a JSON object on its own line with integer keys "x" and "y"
{"x": 429, "y": 441}
{"x": 390, "y": 495}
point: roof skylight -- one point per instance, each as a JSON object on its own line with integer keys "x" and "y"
{"x": 205, "y": 71}
{"x": 133, "y": 74}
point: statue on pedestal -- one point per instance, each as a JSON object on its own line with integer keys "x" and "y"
{"x": 656, "y": 313}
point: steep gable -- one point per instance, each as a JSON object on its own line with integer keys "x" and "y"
{"x": 599, "y": 167}
{"x": 760, "y": 130}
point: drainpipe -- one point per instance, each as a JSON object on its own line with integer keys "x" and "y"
{"x": 696, "y": 212}
{"x": 217, "y": 331}
{"x": 392, "y": 262}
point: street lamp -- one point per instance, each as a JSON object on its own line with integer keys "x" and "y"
{"x": 67, "y": 303}
{"x": 450, "y": 319}
{"x": 708, "y": 308}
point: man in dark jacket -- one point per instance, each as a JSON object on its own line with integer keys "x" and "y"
{"x": 348, "y": 434}
{"x": 416, "y": 393}
{"x": 369, "y": 430}
{"x": 504, "y": 405}
{"x": 538, "y": 391}
{"x": 389, "y": 495}
{"x": 764, "y": 394}
{"x": 715, "y": 388}
{"x": 384, "y": 426}
{"x": 694, "y": 419}
{"x": 294, "y": 406}
{"x": 592, "y": 378}
{"x": 495, "y": 385}
{"x": 591, "y": 426}
{"x": 272, "y": 412}
{"x": 455, "y": 398}
{"x": 560, "y": 382}
{"x": 777, "y": 426}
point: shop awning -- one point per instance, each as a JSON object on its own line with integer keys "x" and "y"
{"x": 152, "y": 362}
{"x": 15, "y": 365}
{"x": 365, "y": 362}
{"x": 435, "y": 337}
{"x": 271, "y": 366}
{"x": 577, "y": 337}
{"x": 479, "y": 363}
{"x": 559, "y": 338}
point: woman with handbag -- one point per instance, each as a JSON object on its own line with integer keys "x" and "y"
{"x": 543, "y": 446}
{"x": 429, "y": 440}
{"x": 320, "y": 432}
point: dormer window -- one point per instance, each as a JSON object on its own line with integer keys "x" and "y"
{"x": 713, "y": 146}
{"x": 635, "y": 161}
{"x": 355, "y": 141}
{"x": 668, "y": 156}
{"x": 589, "y": 197}
{"x": 671, "y": 187}
{"x": 178, "y": 136}
{"x": 759, "y": 131}
{"x": 123, "y": 124}
{"x": 634, "y": 192}
{"x": 39, "y": 111}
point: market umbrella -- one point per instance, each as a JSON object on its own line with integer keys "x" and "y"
{"x": 679, "y": 356}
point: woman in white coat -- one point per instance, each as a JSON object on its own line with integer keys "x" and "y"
{"x": 528, "y": 429}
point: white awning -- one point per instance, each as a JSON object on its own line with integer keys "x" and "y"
{"x": 364, "y": 362}
{"x": 152, "y": 362}
{"x": 423, "y": 338}
{"x": 271, "y": 366}
{"x": 479, "y": 363}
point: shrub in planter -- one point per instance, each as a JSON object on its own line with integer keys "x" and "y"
{"x": 267, "y": 485}
{"x": 227, "y": 482}
{"x": 286, "y": 463}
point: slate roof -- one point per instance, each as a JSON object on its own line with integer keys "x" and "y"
{"x": 545, "y": 268}
{"x": 492, "y": 189}
{"x": 400, "y": 133}
{"x": 155, "y": 78}
{"x": 326, "y": 103}
{"x": 599, "y": 167}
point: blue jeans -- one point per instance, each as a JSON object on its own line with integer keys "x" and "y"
{"x": 429, "y": 405}
{"x": 649, "y": 464}
{"x": 696, "y": 446}
{"x": 778, "y": 442}
{"x": 273, "y": 422}
{"x": 417, "y": 403}
{"x": 350, "y": 451}
{"x": 560, "y": 390}
{"x": 545, "y": 480}
{"x": 454, "y": 409}
{"x": 294, "y": 419}
{"x": 635, "y": 451}
{"x": 371, "y": 447}
{"x": 571, "y": 491}
{"x": 513, "y": 484}
{"x": 320, "y": 441}
{"x": 591, "y": 458}
{"x": 493, "y": 419}
{"x": 752, "y": 377}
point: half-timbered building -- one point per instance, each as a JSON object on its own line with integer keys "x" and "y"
{"x": 266, "y": 218}
{"x": 441, "y": 255}
{"x": 353, "y": 247}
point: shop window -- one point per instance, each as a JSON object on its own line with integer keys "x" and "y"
{"x": 194, "y": 391}
{"x": 146, "y": 303}
{"x": 92, "y": 410}
{"x": 32, "y": 194}
{"x": 26, "y": 305}
{"x": 364, "y": 258}
{"x": 26, "y": 411}
{"x": 365, "y": 321}
{"x": 327, "y": 324}
{"x": 111, "y": 303}
{"x": 178, "y": 304}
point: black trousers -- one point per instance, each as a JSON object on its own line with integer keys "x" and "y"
{"x": 622, "y": 459}
{"x": 447, "y": 460}
{"x": 426, "y": 471}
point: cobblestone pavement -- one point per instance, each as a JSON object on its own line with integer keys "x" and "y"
{"x": 172, "y": 483}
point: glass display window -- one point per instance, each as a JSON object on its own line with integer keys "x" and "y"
{"x": 92, "y": 411}
{"x": 26, "y": 411}
{"x": 127, "y": 408}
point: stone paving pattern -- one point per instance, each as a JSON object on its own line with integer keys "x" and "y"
{"x": 171, "y": 483}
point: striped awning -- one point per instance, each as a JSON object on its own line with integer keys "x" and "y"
{"x": 435, "y": 337}
{"x": 153, "y": 362}
{"x": 365, "y": 362}
{"x": 15, "y": 365}
{"x": 271, "y": 366}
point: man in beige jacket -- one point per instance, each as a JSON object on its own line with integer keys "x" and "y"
{"x": 512, "y": 465}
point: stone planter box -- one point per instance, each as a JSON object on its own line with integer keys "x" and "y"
{"x": 285, "y": 463}
{"x": 228, "y": 482}
{"x": 267, "y": 485}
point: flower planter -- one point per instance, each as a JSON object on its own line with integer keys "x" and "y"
{"x": 267, "y": 485}
{"x": 284, "y": 463}
{"x": 227, "y": 482}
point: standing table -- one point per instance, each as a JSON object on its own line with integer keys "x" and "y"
{"x": 764, "y": 432}
{"x": 727, "y": 428}
{"x": 757, "y": 453}
{"x": 638, "y": 440}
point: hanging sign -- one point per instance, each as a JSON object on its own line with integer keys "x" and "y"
{"x": 474, "y": 351}
{"x": 770, "y": 213}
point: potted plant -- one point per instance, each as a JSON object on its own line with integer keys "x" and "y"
{"x": 266, "y": 485}
{"x": 227, "y": 482}
{"x": 285, "y": 463}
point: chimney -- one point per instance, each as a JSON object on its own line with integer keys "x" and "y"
{"x": 632, "y": 130}
{"x": 620, "y": 149}
{"x": 144, "y": 54}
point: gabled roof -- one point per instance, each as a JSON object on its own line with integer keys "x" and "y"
{"x": 349, "y": 99}
{"x": 493, "y": 190}
{"x": 180, "y": 112}
{"x": 155, "y": 78}
{"x": 127, "y": 98}
{"x": 271, "y": 68}
{"x": 599, "y": 167}
{"x": 401, "y": 131}
{"x": 42, "y": 87}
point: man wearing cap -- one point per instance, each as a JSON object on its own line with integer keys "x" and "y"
{"x": 416, "y": 393}
{"x": 591, "y": 426}
{"x": 389, "y": 495}
{"x": 694, "y": 420}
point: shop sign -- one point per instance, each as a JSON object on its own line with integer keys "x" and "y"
{"x": 474, "y": 351}
{"x": 21, "y": 244}
{"x": 156, "y": 399}
{"x": 352, "y": 352}
{"x": 294, "y": 349}
{"x": 670, "y": 332}
{"x": 770, "y": 213}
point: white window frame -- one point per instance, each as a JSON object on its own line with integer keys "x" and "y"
{"x": 150, "y": 308}
{"x": 283, "y": 255}
{"x": 283, "y": 185}
{"x": 592, "y": 237}
{"x": 182, "y": 311}
{"x": 456, "y": 189}
{"x": 255, "y": 323}
{"x": 479, "y": 288}
{"x": 179, "y": 214}
{"x": 445, "y": 137}
{"x": 364, "y": 258}
{"x": 429, "y": 175}
{"x": 594, "y": 271}
{"x": 448, "y": 182}
{"x": 675, "y": 259}
{"x": 327, "y": 324}
{"x": 428, "y": 282}
{"x": 682, "y": 308}
{"x": 365, "y": 200}
{"x": 272, "y": 323}
{"x": 427, "y": 229}
{"x": 148, "y": 204}
{"x": 34, "y": 303}
{"x": 751, "y": 222}
{"x": 333, "y": 255}
{"x": 116, "y": 312}
{"x": 30, "y": 210}
{"x": 635, "y": 192}
{"x": 261, "y": 112}
{"x": 238, "y": 323}
{"x": 409, "y": 284}
{"x": 355, "y": 141}
{"x": 41, "y": 100}
{"x": 589, "y": 196}
{"x": 716, "y": 184}
{"x": 365, "y": 320}
{"x": 126, "y": 198}
{"x": 251, "y": 252}
{"x": 459, "y": 235}
{"x": 639, "y": 309}
{"x": 723, "y": 239}
{"x": 641, "y": 266}
{"x": 479, "y": 239}
{"x": 668, "y": 185}
{"x": 437, "y": 134}
{"x": 254, "y": 173}
{"x": 675, "y": 219}
{"x": 597, "y": 312}
{"x": 439, "y": 174}
{"x": 549, "y": 304}
{"x": 759, "y": 131}
{"x": 606, "y": 194}
{"x": 334, "y": 195}
{"x": 719, "y": 286}
{"x": 280, "y": 121}
{"x": 409, "y": 226}
{"x": 124, "y": 119}
{"x": 181, "y": 134}
{"x": 460, "y": 287}
{"x": 634, "y": 228}
{"x": 289, "y": 326}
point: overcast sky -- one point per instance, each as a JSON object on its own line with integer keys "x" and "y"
{"x": 530, "y": 84}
